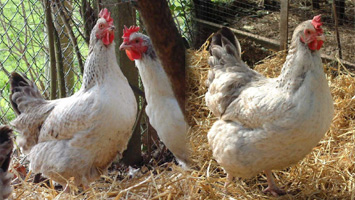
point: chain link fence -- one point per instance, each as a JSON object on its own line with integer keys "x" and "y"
{"x": 24, "y": 45}
{"x": 262, "y": 18}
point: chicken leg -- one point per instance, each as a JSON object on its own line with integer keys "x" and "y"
{"x": 229, "y": 180}
{"x": 272, "y": 188}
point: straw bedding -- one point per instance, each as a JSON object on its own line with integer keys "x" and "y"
{"x": 326, "y": 173}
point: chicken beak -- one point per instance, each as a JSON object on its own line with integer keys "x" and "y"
{"x": 112, "y": 28}
{"x": 320, "y": 38}
{"x": 125, "y": 46}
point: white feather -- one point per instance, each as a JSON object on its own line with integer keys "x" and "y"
{"x": 163, "y": 109}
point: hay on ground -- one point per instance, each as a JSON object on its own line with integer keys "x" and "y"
{"x": 326, "y": 173}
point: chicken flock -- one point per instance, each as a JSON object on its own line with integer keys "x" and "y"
{"x": 263, "y": 123}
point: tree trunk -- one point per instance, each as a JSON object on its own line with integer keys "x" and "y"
{"x": 124, "y": 14}
{"x": 167, "y": 43}
{"x": 66, "y": 46}
{"x": 89, "y": 17}
{"x": 50, "y": 33}
{"x": 60, "y": 66}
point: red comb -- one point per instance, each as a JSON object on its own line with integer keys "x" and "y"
{"x": 128, "y": 31}
{"x": 104, "y": 13}
{"x": 316, "y": 22}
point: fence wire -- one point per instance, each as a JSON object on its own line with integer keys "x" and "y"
{"x": 24, "y": 45}
{"x": 262, "y": 17}
{"x": 24, "y": 42}
{"x": 182, "y": 14}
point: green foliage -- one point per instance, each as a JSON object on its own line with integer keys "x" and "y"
{"x": 222, "y": 1}
{"x": 181, "y": 11}
{"x": 21, "y": 33}
{"x": 24, "y": 48}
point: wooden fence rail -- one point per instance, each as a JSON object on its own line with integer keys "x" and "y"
{"x": 271, "y": 43}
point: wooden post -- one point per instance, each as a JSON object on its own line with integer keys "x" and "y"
{"x": 340, "y": 7}
{"x": 50, "y": 34}
{"x": 60, "y": 66}
{"x": 66, "y": 45}
{"x": 152, "y": 138}
{"x": 284, "y": 24}
{"x": 336, "y": 28}
{"x": 167, "y": 43}
{"x": 124, "y": 14}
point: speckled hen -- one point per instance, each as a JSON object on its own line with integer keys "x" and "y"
{"x": 78, "y": 136}
{"x": 6, "y": 146}
{"x": 267, "y": 123}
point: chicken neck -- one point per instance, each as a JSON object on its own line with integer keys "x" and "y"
{"x": 155, "y": 80}
{"x": 100, "y": 65}
{"x": 299, "y": 61}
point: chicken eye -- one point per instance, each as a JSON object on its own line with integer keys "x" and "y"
{"x": 137, "y": 41}
{"x": 308, "y": 32}
{"x": 101, "y": 26}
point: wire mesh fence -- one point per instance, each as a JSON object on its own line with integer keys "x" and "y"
{"x": 24, "y": 45}
{"x": 262, "y": 18}
{"x": 24, "y": 42}
{"x": 182, "y": 13}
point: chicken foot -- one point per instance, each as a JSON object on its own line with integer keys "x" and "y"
{"x": 229, "y": 180}
{"x": 38, "y": 178}
{"x": 67, "y": 190}
{"x": 272, "y": 188}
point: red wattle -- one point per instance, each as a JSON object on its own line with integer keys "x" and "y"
{"x": 320, "y": 44}
{"x": 315, "y": 45}
{"x": 108, "y": 38}
{"x": 133, "y": 55}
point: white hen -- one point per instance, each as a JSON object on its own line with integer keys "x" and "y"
{"x": 267, "y": 123}
{"x": 162, "y": 108}
{"x": 78, "y": 136}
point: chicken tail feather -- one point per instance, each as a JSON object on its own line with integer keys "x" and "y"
{"x": 225, "y": 37}
{"x": 6, "y": 146}
{"x": 225, "y": 53}
{"x": 32, "y": 109}
{"x": 24, "y": 93}
{"x": 228, "y": 73}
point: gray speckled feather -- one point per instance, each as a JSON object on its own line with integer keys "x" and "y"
{"x": 228, "y": 74}
{"x": 6, "y": 146}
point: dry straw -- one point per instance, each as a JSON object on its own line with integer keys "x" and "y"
{"x": 326, "y": 173}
